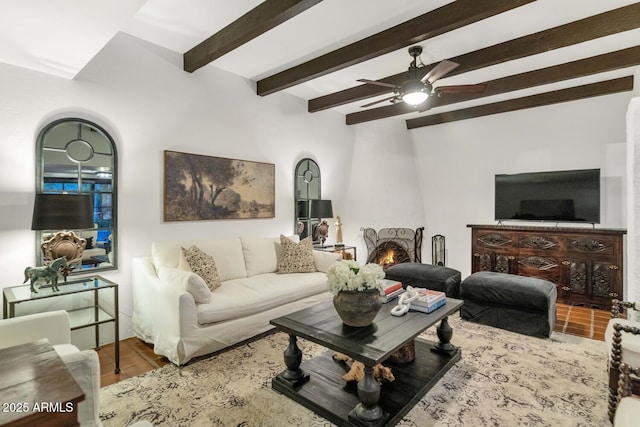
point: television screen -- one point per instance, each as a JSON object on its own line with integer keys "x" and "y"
{"x": 560, "y": 196}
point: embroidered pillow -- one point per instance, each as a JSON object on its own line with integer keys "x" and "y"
{"x": 296, "y": 257}
{"x": 203, "y": 265}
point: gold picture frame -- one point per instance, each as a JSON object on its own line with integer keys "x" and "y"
{"x": 198, "y": 187}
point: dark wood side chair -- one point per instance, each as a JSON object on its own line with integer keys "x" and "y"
{"x": 628, "y": 405}
{"x": 622, "y": 338}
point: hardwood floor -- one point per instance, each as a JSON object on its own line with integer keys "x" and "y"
{"x": 137, "y": 357}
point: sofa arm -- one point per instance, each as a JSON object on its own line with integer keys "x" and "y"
{"x": 85, "y": 368}
{"x": 52, "y": 325}
{"x": 161, "y": 315}
{"x": 323, "y": 260}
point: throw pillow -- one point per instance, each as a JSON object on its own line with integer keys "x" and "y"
{"x": 203, "y": 265}
{"x": 296, "y": 257}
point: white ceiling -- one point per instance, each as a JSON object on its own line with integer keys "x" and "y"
{"x": 60, "y": 37}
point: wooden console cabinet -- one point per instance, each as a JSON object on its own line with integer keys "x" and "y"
{"x": 584, "y": 263}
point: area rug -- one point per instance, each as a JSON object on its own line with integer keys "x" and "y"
{"x": 502, "y": 379}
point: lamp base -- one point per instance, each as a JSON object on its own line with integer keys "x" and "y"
{"x": 64, "y": 244}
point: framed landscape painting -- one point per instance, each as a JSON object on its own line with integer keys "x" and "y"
{"x": 198, "y": 187}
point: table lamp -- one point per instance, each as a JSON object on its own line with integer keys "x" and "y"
{"x": 321, "y": 209}
{"x": 62, "y": 212}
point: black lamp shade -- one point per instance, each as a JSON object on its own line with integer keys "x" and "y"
{"x": 321, "y": 209}
{"x": 62, "y": 212}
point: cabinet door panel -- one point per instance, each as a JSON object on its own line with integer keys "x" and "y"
{"x": 604, "y": 275}
{"x": 576, "y": 276}
{"x": 497, "y": 261}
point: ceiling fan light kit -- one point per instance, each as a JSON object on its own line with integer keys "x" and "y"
{"x": 414, "y": 92}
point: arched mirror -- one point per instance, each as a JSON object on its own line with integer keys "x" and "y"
{"x": 307, "y": 187}
{"x": 76, "y": 156}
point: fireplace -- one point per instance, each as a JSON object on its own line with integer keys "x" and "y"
{"x": 390, "y": 246}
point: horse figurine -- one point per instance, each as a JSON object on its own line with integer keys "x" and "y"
{"x": 49, "y": 273}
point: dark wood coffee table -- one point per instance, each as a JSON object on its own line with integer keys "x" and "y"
{"x": 318, "y": 385}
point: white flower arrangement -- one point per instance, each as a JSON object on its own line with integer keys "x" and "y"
{"x": 348, "y": 275}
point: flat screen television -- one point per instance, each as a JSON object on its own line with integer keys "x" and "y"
{"x": 557, "y": 196}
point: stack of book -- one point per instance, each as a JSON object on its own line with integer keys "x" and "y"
{"x": 391, "y": 288}
{"x": 428, "y": 300}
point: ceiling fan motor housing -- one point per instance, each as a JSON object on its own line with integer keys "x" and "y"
{"x": 415, "y": 51}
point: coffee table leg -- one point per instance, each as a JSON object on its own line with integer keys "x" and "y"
{"x": 368, "y": 410}
{"x": 292, "y": 359}
{"x": 445, "y": 333}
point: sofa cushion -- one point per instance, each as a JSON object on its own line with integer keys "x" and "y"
{"x": 261, "y": 254}
{"x": 185, "y": 281}
{"x": 296, "y": 257}
{"x": 243, "y": 297}
{"x": 226, "y": 252}
{"x": 203, "y": 265}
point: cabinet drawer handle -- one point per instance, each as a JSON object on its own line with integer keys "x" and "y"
{"x": 613, "y": 267}
{"x": 613, "y": 294}
{"x": 566, "y": 288}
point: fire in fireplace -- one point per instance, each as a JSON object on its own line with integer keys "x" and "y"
{"x": 390, "y": 246}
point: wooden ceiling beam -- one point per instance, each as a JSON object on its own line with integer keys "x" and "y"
{"x": 439, "y": 21}
{"x": 257, "y": 21}
{"x": 596, "y": 26}
{"x": 607, "y": 87}
{"x": 583, "y": 67}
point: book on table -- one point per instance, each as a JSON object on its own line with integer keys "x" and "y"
{"x": 390, "y": 286}
{"x": 428, "y": 309}
{"x": 391, "y": 289}
{"x": 428, "y": 297}
{"x": 393, "y": 295}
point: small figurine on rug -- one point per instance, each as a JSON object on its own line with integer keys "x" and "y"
{"x": 356, "y": 369}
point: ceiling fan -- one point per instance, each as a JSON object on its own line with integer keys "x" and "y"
{"x": 415, "y": 90}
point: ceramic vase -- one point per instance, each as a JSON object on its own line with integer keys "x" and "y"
{"x": 357, "y": 308}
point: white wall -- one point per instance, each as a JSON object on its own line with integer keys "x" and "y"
{"x": 140, "y": 94}
{"x": 383, "y": 186}
{"x": 633, "y": 164}
{"x": 457, "y": 162}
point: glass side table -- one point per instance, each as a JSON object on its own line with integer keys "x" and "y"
{"x": 348, "y": 252}
{"x": 93, "y": 314}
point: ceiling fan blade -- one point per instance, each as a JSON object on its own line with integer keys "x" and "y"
{"x": 373, "y": 82}
{"x": 444, "y": 67}
{"x": 479, "y": 88}
{"x": 376, "y": 102}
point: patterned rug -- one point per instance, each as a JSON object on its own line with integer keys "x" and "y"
{"x": 502, "y": 379}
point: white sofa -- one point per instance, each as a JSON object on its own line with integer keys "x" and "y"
{"x": 182, "y": 323}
